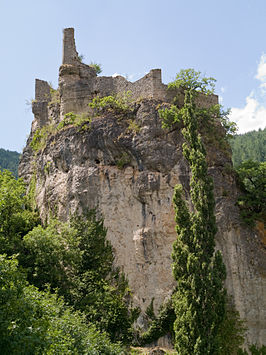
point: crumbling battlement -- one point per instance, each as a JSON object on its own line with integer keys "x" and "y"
{"x": 79, "y": 84}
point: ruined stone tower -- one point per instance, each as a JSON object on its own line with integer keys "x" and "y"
{"x": 70, "y": 55}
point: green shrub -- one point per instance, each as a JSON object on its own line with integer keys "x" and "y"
{"x": 120, "y": 104}
{"x": 40, "y": 137}
{"x": 150, "y": 310}
{"x": 169, "y": 116}
{"x": 133, "y": 126}
{"x": 47, "y": 167}
{"x": 123, "y": 160}
{"x": 81, "y": 57}
{"x": 97, "y": 67}
{"x": 76, "y": 120}
{"x": 51, "y": 256}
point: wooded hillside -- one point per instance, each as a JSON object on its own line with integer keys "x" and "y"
{"x": 249, "y": 146}
{"x": 9, "y": 160}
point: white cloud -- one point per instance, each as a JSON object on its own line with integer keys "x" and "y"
{"x": 116, "y": 74}
{"x": 131, "y": 76}
{"x": 126, "y": 76}
{"x": 253, "y": 115}
{"x": 261, "y": 70}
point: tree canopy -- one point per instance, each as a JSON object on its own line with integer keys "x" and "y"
{"x": 38, "y": 322}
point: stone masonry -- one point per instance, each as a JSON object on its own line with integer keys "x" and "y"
{"x": 79, "y": 84}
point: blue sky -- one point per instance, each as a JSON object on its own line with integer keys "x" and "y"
{"x": 223, "y": 39}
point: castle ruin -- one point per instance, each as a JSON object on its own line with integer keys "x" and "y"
{"x": 79, "y": 84}
{"x": 136, "y": 201}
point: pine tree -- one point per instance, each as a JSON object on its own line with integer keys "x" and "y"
{"x": 199, "y": 300}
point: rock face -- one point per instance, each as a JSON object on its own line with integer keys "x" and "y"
{"x": 127, "y": 167}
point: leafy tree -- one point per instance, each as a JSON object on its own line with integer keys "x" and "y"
{"x": 252, "y": 203}
{"x": 102, "y": 292}
{"x": 52, "y": 256}
{"x": 200, "y": 297}
{"x": 77, "y": 260}
{"x": 206, "y": 117}
{"x": 96, "y": 250}
{"x": 38, "y": 322}
{"x": 16, "y": 218}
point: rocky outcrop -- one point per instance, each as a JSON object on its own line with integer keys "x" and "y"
{"x": 128, "y": 172}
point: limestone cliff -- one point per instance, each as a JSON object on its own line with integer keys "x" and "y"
{"x": 127, "y": 168}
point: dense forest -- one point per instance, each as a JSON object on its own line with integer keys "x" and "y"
{"x": 9, "y": 160}
{"x": 249, "y": 146}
